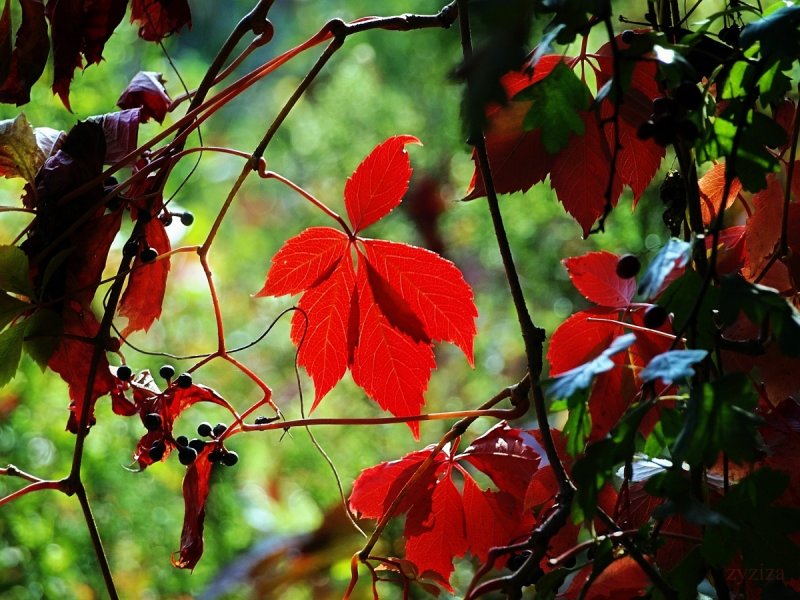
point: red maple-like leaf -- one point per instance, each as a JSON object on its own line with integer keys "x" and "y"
{"x": 584, "y": 335}
{"x": 580, "y": 173}
{"x": 141, "y": 302}
{"x": 623, "y": 579}
{"x": 159, "y": 18}
{"x": 79, "y": 29}
{"x": 437, "y": 529}
{"x": 379, "y": 319}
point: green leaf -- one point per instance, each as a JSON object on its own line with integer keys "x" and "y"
{"x": 719, "y": 418}
{"x": 10, "y": 308}
{"x": 579, "y": 424}
{"x": 20, "y": 156}
{"x": 680, "y": 299}
{"x": 14, "y": 271}
{"x": 675, "y": 253}
{"x": 776, "y": 33}
{"x": 10, "y": 352}
{"x": 43, "y": 333}
{"x": 664, "y": 432}
{"x": 672, "y": 365}
{"x": 557, "y": 101}
{"x": 761, "y": 305}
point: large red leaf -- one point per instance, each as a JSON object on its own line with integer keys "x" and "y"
{"x": 763, "y": 230}
{"x": 378, "y": 184}
{"x": 143, "y": 297}
{"x": 578, "y": 340}
{"x": 623, "y": 579}
{"x": 595, "y": 276}
{"x": 437, "y": 528}
{"x": 432, "y": 287}
{"x": 29, "y": 56}
{"x": 379, "y": 321}
{"x": 195, "y": 494}
{"x": 304, "y": 261}
{"x": 326, "y": 326}
{"x": 160, "y": 18}
{"x": 389, "y": 365}
{"x": 581, "y": 173}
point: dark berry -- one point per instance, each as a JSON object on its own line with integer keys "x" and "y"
{"x": 689, "y": 95}
{"x": 197, "y": 444}
{"x": 654, "y": 317}
{"x": 628, "y": 36}
{"x": 646, "y": 130}
{"x": 131, "y": 248}
{"x": 167, "y": 372}
{"x": 184, "y": 381}
{"x": 663, "y": 105}
{"x": 664, "y": 130}
{"x": 166, "y": 219}
{"x": 262, "y": 420}
{"x": 182, "y": 440}
{"x": 628, "y": 266}
{"x": 730, "y": 35}
{"x": 187, "y": 218}
{"x": 187, "y": 455}
{"x": 215, "y": 456}
{"x": 157, "y": 450}
{"x": 124, "y": 372}
{"x": 219, "y": 429}
{"x": 113, "y": 344}
{"x": 148, "y": 254}
{"x": 230, "y": 458}
{"x": 204, "y": 429}
{"x": 687, "y": 130}
{"x": 152, "y": 421}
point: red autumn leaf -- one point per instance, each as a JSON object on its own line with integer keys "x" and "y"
{"x": 169, "y": 404}
{"x": 72, "y": 360}
{"x": 195, "y": 494}
{"x": 517, "y": 157}
{"x": 29, "y": 57}
{"x": 712, "y": 186}
{"x": 379, "y": 183}
{"x": 763, "y": 229}
{"x": 160, "y": 18}
{"x": 578, "y": 340}
{"x": 146, "y": 91}
{"x": 381, "y": 319}
{"x": 121, "y": 130}
{"x": 594, "y": 275}
{"x": 436, "y": 528}
{"x": 141, "y": 302}
{"x": 623, "y": 579}
{"x": 5, "y": 40}
{"x": 79, "y": 29}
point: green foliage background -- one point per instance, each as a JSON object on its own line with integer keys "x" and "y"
{"x": 379, "y": 85}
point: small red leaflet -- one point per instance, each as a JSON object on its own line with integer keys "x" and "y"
{"x": 437, "y": 528}
{"x": 378, "y": 317}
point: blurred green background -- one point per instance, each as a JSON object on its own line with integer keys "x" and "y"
{"x": 380, "y": 84}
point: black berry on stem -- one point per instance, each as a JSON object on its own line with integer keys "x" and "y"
{"x": 628, "y": 266}
{"x": 124, "y": 372}
{"x": 184, "y": 381}
{"x": 152, "y": 421}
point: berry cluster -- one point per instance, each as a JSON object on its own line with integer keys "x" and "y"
{"x": 669, "y": 121}
{"x": 219, "y": 454}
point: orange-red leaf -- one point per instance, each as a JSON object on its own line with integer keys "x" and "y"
{"x": 195, "y": 494}
{"x": 143, "y": 297}
{"x": 326, "y": 327}
{"x": 712, "y": 186}
{"x": 378, "y": 184}
{"x": 595, "y": 276}
{"x": 304, "y": 261}
{"x": 578, "y": 340}
{"x": 432, "y": 287}
{"x": 390, "y": 366}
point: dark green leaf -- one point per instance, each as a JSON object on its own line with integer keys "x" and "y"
{"x": 675, "y": 253}
{"x": 42, "y": 335}
{"x": 776, "y": 33}
{"x": 680, "y": 299}
{"x": 10, "y": 308}
{"x": 14, "y": 271}
{"x": 557, "y": 101}
{"x": 672, "y": 365}
{"x": 761, "y": 305}
{"x": 10, "y": 352}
